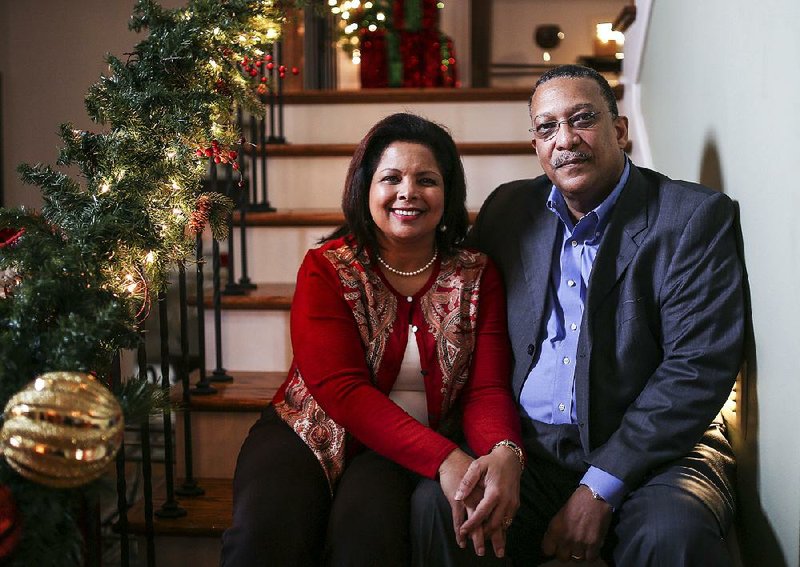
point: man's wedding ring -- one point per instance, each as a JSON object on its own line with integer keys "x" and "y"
{"x": 507, "y": 523}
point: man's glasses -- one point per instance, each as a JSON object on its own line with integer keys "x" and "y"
{"x": 579, "y": 121}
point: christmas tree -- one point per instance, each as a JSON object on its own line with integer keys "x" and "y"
{"x": 77, "y": 279}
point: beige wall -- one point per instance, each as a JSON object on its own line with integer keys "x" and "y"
{"x": 514, "y": 22}
{"x": 721, "y": 84}
{"x": 51, "y": 52}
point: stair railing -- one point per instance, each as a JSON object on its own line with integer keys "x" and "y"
{"x": 189, "y": 486}
{"x": 170, "y": 508}
{"x": 219, "y": 374}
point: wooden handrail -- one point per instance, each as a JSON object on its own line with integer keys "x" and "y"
{"x": 625, "y": 18}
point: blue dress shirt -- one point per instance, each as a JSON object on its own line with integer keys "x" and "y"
{"x": 548, "y": 394}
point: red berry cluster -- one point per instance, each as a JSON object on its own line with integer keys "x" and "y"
{"x": 251, "y": 67}
{"x": 219, "y": 155}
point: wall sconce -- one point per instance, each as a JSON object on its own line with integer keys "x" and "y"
{"x": 547, "y": 36}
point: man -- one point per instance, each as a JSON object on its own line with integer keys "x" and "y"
{"x": 626, "y": 320}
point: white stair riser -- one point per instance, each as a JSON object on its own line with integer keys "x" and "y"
{"x": 251, "y": 340}
{"x": 274, "y": 254}
{"x": 348, "y": 123}
{"x": 216, "y": 440}
{"x": 317, "y": 182}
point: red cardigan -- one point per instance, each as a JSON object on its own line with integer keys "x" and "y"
{"x": 349, "y": 329}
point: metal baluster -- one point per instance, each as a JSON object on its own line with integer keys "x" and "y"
{"x": 244, "y": 203}
{"x": 147, "y": 469}
{"x": 231, "y": 287}
{"x": 219, "y": 374}
{"x": 203, "y": 386}
{"x": 189, "y": 486}
{"x": 122, "y": 489}
{"x": 263, "y": 204}
{"x": 170, "y": 508}
{"x": 280, "y": 138}
{"x": 253, "y": 194}
{"x": 274, "y": 81}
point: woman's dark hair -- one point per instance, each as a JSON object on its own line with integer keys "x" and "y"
{"x": 404, "y": 127}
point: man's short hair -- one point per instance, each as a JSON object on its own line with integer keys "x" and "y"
{"x": 579, "y": 72}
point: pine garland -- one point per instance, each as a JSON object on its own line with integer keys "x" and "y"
{"x": 78, "y": 280}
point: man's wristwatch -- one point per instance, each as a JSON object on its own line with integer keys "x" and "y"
{"x": 514, "y": 447}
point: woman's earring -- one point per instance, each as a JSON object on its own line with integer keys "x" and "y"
{"x": 442, "y": 228}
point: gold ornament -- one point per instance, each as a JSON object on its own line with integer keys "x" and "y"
{"x": 62, "y": 430}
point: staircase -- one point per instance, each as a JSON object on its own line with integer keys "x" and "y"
{"x": 305, "y": 179}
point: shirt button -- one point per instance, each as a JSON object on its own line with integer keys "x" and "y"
{"x": 561, "y": 407}
{"x": 574, "y": 243}
{"x": 597, "y": 234}
{"x": 571, "y": 283}
{"x": 573, "y": 326}
{"x": 566, "y": 360}
{"x": 413, "y": 328}
{"x": 531, "y": 349}
{"x": 409, "y": 299}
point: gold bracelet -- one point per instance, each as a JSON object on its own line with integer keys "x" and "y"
{"x": 514, "y": 447}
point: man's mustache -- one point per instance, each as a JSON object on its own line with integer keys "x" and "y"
{"x": 568, "y": 157}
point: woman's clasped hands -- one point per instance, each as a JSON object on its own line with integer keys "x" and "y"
{"x": 483, "y": 495}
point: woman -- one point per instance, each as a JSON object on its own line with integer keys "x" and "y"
{"x": 400, "y": 354}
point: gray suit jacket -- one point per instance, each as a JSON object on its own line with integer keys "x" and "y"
{"x": 661, "y": 335}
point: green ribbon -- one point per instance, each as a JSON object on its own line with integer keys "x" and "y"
{"x": 393, "y": 60}
{"x": 413, "y": 14}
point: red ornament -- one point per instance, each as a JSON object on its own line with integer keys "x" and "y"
{"x": 295, "y": 71}
{"x": 268, "y": 57}
{"x": 270, "y": 66}
{"x": 10, "y": 522}
{"x": 10, "y": 236}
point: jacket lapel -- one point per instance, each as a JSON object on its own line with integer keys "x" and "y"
{"x": 537, "y": 235}
{"x": 621, "y": 240}
{"x": 623, "y": 235}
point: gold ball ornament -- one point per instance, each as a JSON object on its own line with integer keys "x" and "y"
{"x": 62, "y": 430}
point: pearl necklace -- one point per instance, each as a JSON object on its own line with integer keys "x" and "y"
{"x": 412, "y": 273}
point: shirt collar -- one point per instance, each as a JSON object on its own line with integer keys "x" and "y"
{"x": 602, "y": 212}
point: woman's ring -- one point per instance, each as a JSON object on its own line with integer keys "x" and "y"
{"x": 507, "y": 523}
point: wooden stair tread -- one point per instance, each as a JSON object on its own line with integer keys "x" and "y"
{"x": 347, "y": 150}
{"x": 397, "y": 95}
{"x": 206, "y": 516}
{"x": 249, "y": 391}
{"x": 267, "y": 296}
{"x": 302, "y": 217}
{"x": 404, "y": 95}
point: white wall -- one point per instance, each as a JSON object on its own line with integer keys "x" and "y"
{"x": 51, "y": 52}
{"x": 720, "y": 86}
